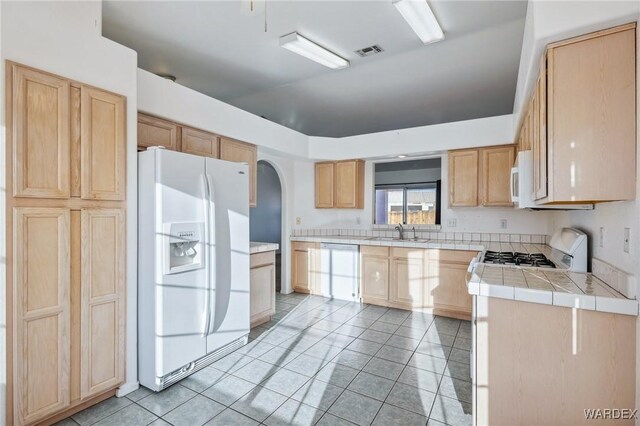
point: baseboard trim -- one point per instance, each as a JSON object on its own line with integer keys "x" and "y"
{"x": 127, "y": 388}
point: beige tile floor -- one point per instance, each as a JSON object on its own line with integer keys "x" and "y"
{"x": 319, "y": 361}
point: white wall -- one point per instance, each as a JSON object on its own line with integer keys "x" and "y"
{"x": 172, "y": 101}
{"x": 480, "y": 219}
{"x": 417, "y": 140}
{"x": 65, "y": 38}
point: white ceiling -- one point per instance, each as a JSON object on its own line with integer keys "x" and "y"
{"x": 220, "y": 48}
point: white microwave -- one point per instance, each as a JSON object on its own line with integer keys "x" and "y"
{"x": 522, "y": 187}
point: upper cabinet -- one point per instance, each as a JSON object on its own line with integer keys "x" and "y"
{"x": 102, "y": 144}
{"x": 340, "y": 184}
{"x": 154, "y": 131}
{"x": 241, "y": 152}
{"x": 463, "y": 178}
{"x": 324, "y": 185}
{"x": 40, "y": 105}
{"x": 583, "y": 117}
{"x": 481, "y": 176}
{"x": 495, "y": 173}
{"x": 199, "y": 143}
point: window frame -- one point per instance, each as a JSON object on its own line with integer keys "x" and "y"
{"x": 409, "y": 186}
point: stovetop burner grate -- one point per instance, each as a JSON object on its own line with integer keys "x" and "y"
{"x": 535, "y": 260}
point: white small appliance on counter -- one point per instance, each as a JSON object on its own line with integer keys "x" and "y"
{"x": 522, "y": 187}
{"x": 193, "y": 263}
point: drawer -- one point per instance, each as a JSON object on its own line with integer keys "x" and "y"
{"x": 408, "y": 253}
{"x": 452, "y": 256}
{"x": 264, "y": 258}
{"x": 374, "y": 251}
{"x": 302, "y": 245}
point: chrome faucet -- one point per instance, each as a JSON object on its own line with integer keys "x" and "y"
{"x": 414, "y": 234}
{"x": 400, "y": 230}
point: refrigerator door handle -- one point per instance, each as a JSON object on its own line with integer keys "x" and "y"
{"x": 207, "y": 225}
{"x": 210, "y": 243}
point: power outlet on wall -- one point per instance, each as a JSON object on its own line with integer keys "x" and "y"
{"x": 503, "y": 223}
{"x": 452, "y": 223}
{"x": 358, "y": 220}
{"x": 627, "y": 237}
{"x": 601, "y": 237}
{"x": 298, "y": 221}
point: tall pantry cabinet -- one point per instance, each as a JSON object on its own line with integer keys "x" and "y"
{"x": 66, "y": 161}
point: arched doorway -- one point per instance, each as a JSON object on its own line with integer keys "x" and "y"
{"x": 266, "y": 217}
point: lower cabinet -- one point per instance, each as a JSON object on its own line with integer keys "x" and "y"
{"x": 69, "y": 307}
{"x": 262, "y": 281}
{"x": 409, "y": 278}
{"x": 305, "y": 261}
{"x": 374, "y": 273}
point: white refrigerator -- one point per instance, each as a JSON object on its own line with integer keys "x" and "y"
{"x": 193, "y": 263}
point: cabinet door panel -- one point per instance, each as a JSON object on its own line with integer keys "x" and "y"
{"x": 41, "y": 316}
{"x": 154, "y": 131}
{"x": 263, "y": 291}
{"x": 199, "y": 143}
{"x": 240, "y": 152}
{"x": 375, "y": 279}
{"x": 348, "y": 184}
{"x": 102, "y": 299}
{"x": 447, "y": 287}
{"x": 592, "y": 118}
{"x": 301, "y": 273}
{"x": 496, "y": 166}
{"x": 40, "y": 134}
{"x": 103, "y": 145}
{"x": 463, "y": 178}
{"x": 407, "y": 282}
{"x": 324, "y": 185}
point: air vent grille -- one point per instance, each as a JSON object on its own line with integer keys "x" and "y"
{"x": 369, "y": 51}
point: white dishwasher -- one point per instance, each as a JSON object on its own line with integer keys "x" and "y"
{"x": 340, "y": 271}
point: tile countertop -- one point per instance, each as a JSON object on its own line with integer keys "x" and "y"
{"x": 549, "y": 287}
{"x": 427, "y": 244}
{"x": 545, "y": 286}
{"x": 258, "y": 247}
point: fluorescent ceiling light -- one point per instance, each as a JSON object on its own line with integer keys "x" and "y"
{"x": 310, "y": 50}
{"x": 419, "y": 16}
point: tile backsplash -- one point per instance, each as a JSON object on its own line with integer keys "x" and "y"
{"x": 426, "y": 234}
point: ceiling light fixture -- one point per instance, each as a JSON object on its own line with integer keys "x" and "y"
{"x": 402, "y": 156}
{"x": 310, "y": 50}
{"x": 420, "y": 17}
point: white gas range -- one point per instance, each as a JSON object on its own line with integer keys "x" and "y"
{"x": 567, "y": 250}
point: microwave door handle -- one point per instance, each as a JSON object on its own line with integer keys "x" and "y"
{"x": 513, "y": 180}
{"x": 205, "y": 203}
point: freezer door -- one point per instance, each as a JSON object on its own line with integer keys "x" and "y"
{"x": 229, "y": 254}
{"x": 181, "y": 297}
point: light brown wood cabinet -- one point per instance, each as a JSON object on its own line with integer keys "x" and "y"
{"x": 339, "y": 184}
{"x": 495, "y": 173}
{"x": 153, "y": 131}
{"x": 305, "y": 260}
{"x": 463, "y": 178}
{"x": 414, "y": 278}
{"x": 262, "y": 287}
{"x": 241, "y": 152}
{"x": 563, "y": 360}
{"x": 374, "y": 273}
{"x": 481, "y": 176}
{"x": 324, "y": 184}
{"x": 583, "y": 118}
{"x": 65, "y": 243}
{"x": 199, "y": 143}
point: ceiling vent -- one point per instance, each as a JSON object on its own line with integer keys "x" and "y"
{"x": 369, "y": 51}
